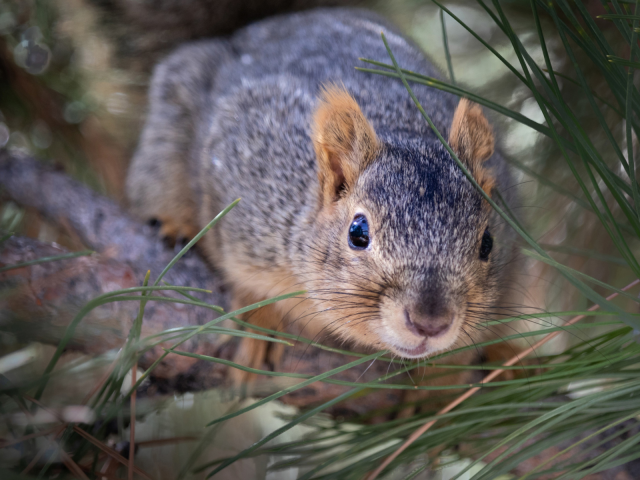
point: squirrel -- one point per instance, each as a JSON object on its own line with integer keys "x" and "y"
{"x": 346, "y": 191}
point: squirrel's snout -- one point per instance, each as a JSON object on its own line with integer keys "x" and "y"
{"x": 428, "y": 325}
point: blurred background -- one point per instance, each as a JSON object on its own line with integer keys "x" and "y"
{"x": 74, "y": 76}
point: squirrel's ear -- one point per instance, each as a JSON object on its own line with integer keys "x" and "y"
{"x": 344, "y": 142}
{"x": 472, "y": 140}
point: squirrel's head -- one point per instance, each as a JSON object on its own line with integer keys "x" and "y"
{"x": 409, "y": 261}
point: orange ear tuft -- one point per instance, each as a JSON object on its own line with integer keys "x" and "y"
{"x": 472, "y": 139}
{"x": 343, "y": 139}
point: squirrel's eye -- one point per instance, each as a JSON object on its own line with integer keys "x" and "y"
{"x": 359, "y": 233}
{"x": 486, "y": 245}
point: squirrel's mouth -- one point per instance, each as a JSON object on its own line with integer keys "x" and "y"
{"x": 416, "y": 352}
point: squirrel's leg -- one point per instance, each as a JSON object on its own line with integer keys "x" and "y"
{"x": 161, "y": 182}
{"x": 251, "y": 352}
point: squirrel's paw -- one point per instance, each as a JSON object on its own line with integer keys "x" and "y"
{"x": 256, "y": 354}
{"x": 250, "y": 353}
{"x": 174, "y": 233}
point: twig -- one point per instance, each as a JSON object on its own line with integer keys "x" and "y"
{"x": 516, "y": 358}
{"x": 70, "y": 464}
{"x": 165, "y": 441}
{"x": 102, "y": 381}
{"x": 108, "y": 476}
{"x": 132, "y": 424}
{"x": 109, "y": 451}
{"x": 58, "y": 430}
{"x": 24, "y": 438}
{"x": 34, "y": 460}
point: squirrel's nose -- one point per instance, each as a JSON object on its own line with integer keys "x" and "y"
{"x": 428, "y": 326}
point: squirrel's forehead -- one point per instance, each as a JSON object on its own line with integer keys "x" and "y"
{"x": 414, "y": 186}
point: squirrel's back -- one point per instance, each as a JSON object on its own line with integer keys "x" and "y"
{"x": 323, "y": 46}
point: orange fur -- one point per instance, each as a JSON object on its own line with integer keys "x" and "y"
{"x": 343, "y": 139}
{"x": 252, "y": 352}
{"x": 175, "y": 226}
{"x": 472, "y": 139}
